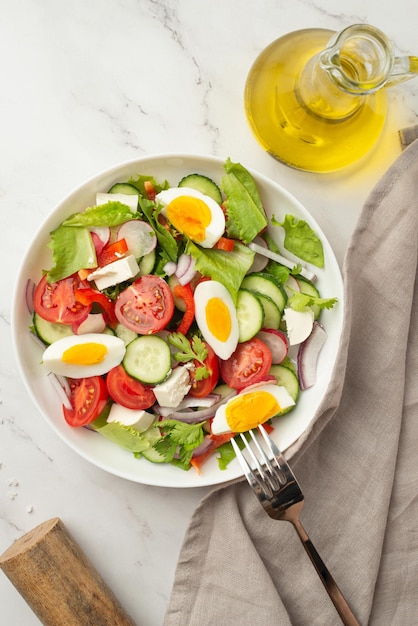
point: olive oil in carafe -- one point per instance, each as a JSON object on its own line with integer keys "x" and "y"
{"x": 294, "y": 122}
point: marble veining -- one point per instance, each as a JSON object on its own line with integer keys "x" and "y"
{"x": 86, "y": 85}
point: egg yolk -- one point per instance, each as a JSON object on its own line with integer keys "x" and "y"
{"x": 218, "y": 319}
{"x": 85, "y": 354}
{"x": 250, "y": 410}
{"x": 190, "y": 216}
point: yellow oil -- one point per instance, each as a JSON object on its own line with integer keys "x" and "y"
{"x": 292, "y": 132}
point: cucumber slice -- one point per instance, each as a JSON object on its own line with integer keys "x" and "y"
{"x": 309, "y": 289}
{"x": 250, "y": 314}
{"x": 148, "y": 359}
{"x": 288, "y": 379}
{"x": 265, "y": 284}
{"x": 272, "y": 315}
{"x": 203, "y": 184}
{"x": 125, "y": 188}
{"x": 49, "y": 332}
{"x": 146, "y": 263}
{"x": 126, "y": 334}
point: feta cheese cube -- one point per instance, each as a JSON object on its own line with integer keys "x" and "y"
{"x": 172, "y": 391}
{"x": 115, "y": 273}
{"x": 140, "y": 420}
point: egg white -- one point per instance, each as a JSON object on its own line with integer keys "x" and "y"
{"x": 204, "y": 292}
{"x": 52, "y": 357}
{"x": 216, "y": 226}
{"x": 220, "y": 424}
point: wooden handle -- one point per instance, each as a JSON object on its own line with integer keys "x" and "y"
{"x": 57, "y": 581}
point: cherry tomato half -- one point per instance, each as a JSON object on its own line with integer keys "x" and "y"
{"x": 201, "y": 388}
{"x": 127, "y": 391}
{"x": 56, "y": 302}
{"x": 88, "y": 399}
{"x": 249, "y": 364}
{"x": 146, "y": 306}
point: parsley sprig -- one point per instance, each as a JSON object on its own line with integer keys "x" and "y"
{"x": 299, "y": 301}
{"x": 194, "y": 350}
{"x": 178, "y": 441}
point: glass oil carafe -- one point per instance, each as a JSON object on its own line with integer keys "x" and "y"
{"x": 316, "y": 99}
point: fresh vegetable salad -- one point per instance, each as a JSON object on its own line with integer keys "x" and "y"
{"x": 170, "y": 320}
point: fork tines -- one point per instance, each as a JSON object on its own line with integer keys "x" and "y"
{"x": 265, "y": 468}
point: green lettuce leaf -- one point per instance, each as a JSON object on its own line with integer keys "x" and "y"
{"x": 72, "y": 250}
{"x": 301, "y": 240}
{"x": 109, "y": 214}
{"x": 225, "y": 454}
{"x": 168, "y": 248}
{"x": 228, "y": 268}
{"x": 140, "y": 180}
{"x": 125, "y": 436}
{"x": 245, "y": 213}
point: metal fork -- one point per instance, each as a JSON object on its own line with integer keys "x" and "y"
{"x": 276, "y": 487}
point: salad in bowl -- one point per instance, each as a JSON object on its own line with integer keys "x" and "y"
{"x": 175, "y": 303}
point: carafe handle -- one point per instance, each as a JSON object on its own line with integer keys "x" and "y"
{"x": 404, "y": 68}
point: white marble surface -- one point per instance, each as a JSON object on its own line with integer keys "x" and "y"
{"x": 89, "y": 83}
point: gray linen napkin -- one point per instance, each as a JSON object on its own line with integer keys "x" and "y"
{"x": 358, "y": 468}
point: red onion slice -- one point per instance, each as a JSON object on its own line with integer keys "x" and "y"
{"x": 204, "y": 446}
{"x": 57, "y": 384}
{"x": 193, "y": 417}
{"x": 190, "y": 402}
{"x": 189, "y": 274}
{"x": 183, "y": 264}
{"x": 308, "y": 354}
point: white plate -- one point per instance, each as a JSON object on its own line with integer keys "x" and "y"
{"x": 92, "y": 446}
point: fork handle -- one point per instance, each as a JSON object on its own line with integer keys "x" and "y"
{"x": 340, "y": 603}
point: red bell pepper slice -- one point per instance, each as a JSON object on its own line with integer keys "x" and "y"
{"x": 185, "y": 292}
{"x": 225, "y": 244}
{"x": 90, "y": 296}
{"x": 112, "y": 252}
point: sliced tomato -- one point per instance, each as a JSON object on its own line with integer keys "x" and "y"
{"x": 112, "y": 252}
{"x": 88, "y": 398}
{"x": 146, "y": 306}
{"x": 185, "y": 292}
{"x": 89, "y": 296}
{"x": 249, "y": 364}
{"x": 56, "y": 302}
{"x": 201, "y": 388}
{"x": 127, "y": 391}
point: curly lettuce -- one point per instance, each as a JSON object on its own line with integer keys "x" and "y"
{"x": 246, "y": 217}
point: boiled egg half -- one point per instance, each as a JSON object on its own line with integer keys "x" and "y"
{"x": 216, "y": 317}
{"x": 193, "y": 214}
{"x": 80, "y": 356}
{"x": 250, "y": 408}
